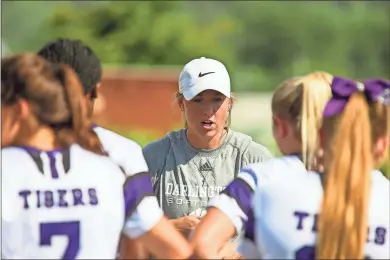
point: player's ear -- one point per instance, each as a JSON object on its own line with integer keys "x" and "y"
{"x": 280, "y": 125}
{"x": 381, "y": 147}
{"x": 23, "y": 109}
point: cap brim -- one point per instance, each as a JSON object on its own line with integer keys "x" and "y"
{"x": 194, "y": 91}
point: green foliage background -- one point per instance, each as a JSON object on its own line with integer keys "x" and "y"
{"x": 261, "y": 42}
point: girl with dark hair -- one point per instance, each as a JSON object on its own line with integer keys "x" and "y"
{"x": 56, "y": 181}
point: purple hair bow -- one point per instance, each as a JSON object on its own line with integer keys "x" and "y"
{"x": 342, "y": 88}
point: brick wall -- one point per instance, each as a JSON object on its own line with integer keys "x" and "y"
{"x": 140, "y": 100}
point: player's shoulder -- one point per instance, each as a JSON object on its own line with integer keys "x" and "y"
{"x": 86, "y": 157}
{"x": 111, "y": 139}
{"x": 15, "y": 158}
{"x": 274, "y": 170}
{"x": 380, "y": 186}
{"x": 279, "y": 165}
{"x": 13, "y": 153}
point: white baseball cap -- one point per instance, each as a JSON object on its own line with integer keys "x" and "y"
{"x": 202, "y": 74}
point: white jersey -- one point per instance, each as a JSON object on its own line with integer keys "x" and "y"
{"x": 286, "y": 203}
{"x": 70, "y": 204}
{"x": 123, "y": 151}
{"x": 279, "y": 217}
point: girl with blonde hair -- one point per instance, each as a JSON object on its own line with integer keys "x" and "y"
{"x": 343, "y": 212}
{"x": 297, "y": 107}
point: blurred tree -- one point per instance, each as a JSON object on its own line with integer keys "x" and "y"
{"x": 149, "y": 33}
{"x": 262, "y": 42}
{"x": 20, "y": 21}
{"x": 289, "y": 38}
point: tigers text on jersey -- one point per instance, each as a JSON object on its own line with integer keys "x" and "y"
{"x": 123, "y": 151}
{"x": 70, "y": 204}
{"x": 286, "y": 202}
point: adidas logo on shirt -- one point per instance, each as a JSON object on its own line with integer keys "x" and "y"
{"x": 206, "y": 167}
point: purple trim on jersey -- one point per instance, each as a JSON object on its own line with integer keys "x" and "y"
{"x": 94, "y": 126}
{"x": 52, "y": 159}
{"x": 251, "y": 173}
{"x": 249, "y": 227}
{"x": 137, "y": 187}
{"x": 53, "y": 168}
{"x": 241, "y": 192}
{"x": 36, "y": 150}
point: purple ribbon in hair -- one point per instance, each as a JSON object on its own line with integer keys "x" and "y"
{"x": 376, "y": 90}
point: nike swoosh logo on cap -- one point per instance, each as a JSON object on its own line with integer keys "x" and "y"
{"x": 204, "y": 74}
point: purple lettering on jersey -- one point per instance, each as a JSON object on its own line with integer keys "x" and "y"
{"x": 77, "y": 197}
{"x": 249, "y": 227}
{"x": 136, "y": 188}
{"x": 380, "y": 235}
{"x": 93, "y": 199}
{"x": 241, "y": 192}
{"x": 69, "y": 229}
{"x": 24, "y": 194}
{"x": 301, "y": 216}
{"x": 61, "y": 199}
{"x": 53, "y": 168}
{"x": 38, "y": 193}
{"x": 314, "y": 228}
{"x": 49, "y": 200}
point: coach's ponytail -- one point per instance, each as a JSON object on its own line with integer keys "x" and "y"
{"x": 81, "y": 126}
{"x": 342, "y": 226}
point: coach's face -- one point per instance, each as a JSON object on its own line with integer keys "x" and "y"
{"x": 206, "y": 113}
{"x": 10, "y": 124}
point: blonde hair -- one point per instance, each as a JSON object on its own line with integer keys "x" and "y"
{"x": 179, "y": 96}
{"x": 342, "y": 224}
{"x": 301, "y": 101}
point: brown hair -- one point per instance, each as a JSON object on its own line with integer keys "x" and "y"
{"x": 179, "y": 96}
{"x": 342, "y": 224}
{"x": 55, "y": 96}
{"x": 301, "y": 100}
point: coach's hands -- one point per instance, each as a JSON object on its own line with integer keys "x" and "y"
{"x": 186, "y": 224}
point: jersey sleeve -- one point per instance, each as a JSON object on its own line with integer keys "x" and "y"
{"x": 235, "y": 199}
{"x": 124, "y": 152}
{"x": 135, "y": 162}
{"x": 141, "y": 206}
{"x": 247, "y": 246}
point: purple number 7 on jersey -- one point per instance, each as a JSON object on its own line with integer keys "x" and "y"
{"x": 68, "y": 229}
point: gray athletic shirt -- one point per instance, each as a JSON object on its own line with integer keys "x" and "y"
{"x": 185, "y": 178}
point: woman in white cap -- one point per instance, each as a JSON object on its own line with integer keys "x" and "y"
{"x": 193, "y": 164}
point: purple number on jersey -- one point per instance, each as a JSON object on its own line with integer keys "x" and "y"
{"x": 309, "y": 253}
{"x": 69, "y": 229}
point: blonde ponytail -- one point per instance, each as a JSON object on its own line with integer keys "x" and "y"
{"x": 342, "y": 224}
{"x": 316, "y": 93}
{"x": 302, "y": 101}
